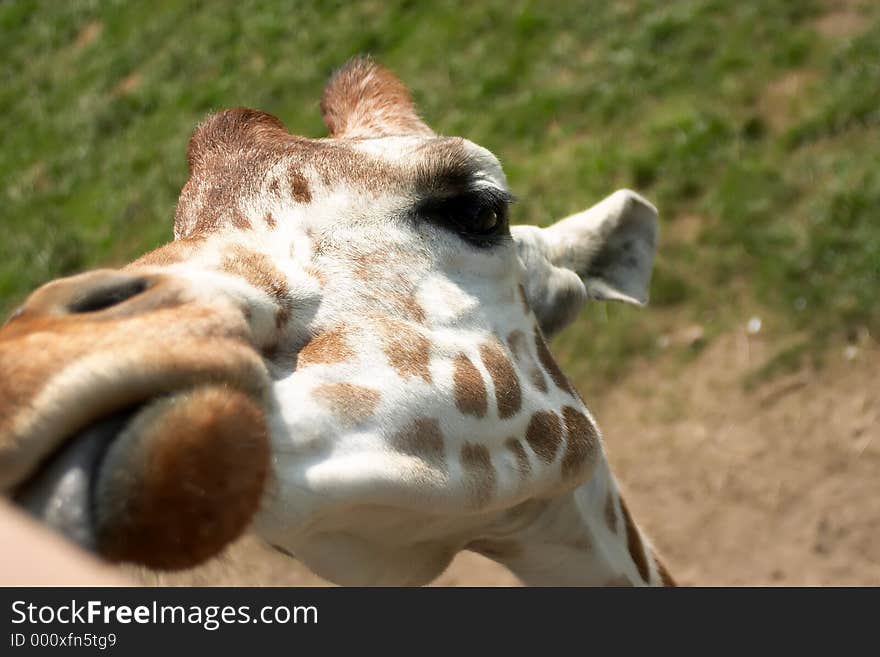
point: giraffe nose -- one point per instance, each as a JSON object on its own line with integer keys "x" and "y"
{"x": 104, "y": 290}
{"x": 86, "y": 293}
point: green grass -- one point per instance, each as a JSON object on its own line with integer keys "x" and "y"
{"x": 769, "y": 190}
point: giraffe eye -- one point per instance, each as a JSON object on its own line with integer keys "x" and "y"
{"x": 477, "y": 216}
{"x": 480, "y": 216}
{"x": 486, "y": 221}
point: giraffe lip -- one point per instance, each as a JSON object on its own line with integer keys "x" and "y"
{"x": 95, "y": 487}
{"x": 61, "y": 492}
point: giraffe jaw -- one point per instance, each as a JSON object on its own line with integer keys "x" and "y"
{"x": 165, "y": 484}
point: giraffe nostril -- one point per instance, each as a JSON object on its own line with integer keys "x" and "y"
{"x": 107, "y": 294}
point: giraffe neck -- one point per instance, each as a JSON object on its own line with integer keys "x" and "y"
{"x": 586, "y": 537}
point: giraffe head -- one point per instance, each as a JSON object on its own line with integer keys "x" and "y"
{"x": 343, "y": 349}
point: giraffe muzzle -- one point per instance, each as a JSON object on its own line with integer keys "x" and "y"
{"x": 132, "y": 415}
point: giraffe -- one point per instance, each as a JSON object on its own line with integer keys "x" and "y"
{"x": 344, "y": 351}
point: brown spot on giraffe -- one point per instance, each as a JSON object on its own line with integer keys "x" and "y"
{"x": 350, "y": 402}
{"x": 634, "y": 543}
{"x": 538, "y": 380}
{"x": 421, "y": 438}
{"x": 544, "y": 434}
{"x": 403, "y": 298}
{"x": 393, "y": 292}
{"x": 368, "y": 265}
{"x": 611, "y": 510}
{"x": 400, "y": 298}
{"x": 516, "y": 340}
{"x": 407, "y": 350}
{"x": 523, "y": 355}
{"x": 477, "y": 465}
{"x": 582, "y": 441}
{"x": 239, "y": 219}
{"x": 328, "y": 347}
{"x": 522, "y": 459}
{"x": 469, "y": 389}
{"x": 257, "y": 269}
{"x": 409, "y": 307}
{"x": 299, "y": 186}
{"x": 362, "y": 265}
{"x": 508, "y": 396}
{"x": 551, "y": 366}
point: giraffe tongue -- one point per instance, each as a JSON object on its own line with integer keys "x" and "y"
{"x": 60, "y": 495}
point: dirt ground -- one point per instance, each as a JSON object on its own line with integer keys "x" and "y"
{"x": 777, "y": 485}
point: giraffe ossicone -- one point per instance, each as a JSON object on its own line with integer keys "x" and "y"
{"x": 343, "y": 351}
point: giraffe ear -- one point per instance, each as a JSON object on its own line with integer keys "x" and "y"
{"x": 605, "y": 252}
{"x": 364, "y": 99}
